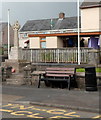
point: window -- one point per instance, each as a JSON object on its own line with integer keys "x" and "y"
{"x": 43, "y": 42}
{"x": 25, "y": 35}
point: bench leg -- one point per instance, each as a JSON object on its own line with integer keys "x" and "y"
{"x": 69, "y": 82}
{"x": 39, "y": 81}
{"x": 39, "y": 84}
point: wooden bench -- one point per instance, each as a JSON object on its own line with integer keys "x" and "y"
{"x": 58, "y": 75}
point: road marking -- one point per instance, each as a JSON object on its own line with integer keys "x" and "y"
{"x": 22, "y": 107}
{"x": 19, "y": 113}
{"x": 34, "y": 115}
{"x": 4, "y": 110}
{"x": 37, "y": 109}
{"x": 35, "y": 112}
{"x": 73, "y": 114}
{"x": 60, "y": 117}
{"x": 56, "y": 111}
{"x": 99, "y": 116}
{"x": 7, "y": 105}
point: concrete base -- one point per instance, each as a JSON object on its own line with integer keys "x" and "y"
{"x": 16, "y": 64}
{"x": 16, "y": 79}
{"x": 80, "y": 82}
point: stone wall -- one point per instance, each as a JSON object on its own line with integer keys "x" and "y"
{"x": 94, "y": 57}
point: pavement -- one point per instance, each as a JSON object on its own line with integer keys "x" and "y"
{"x": 74, "y": 99}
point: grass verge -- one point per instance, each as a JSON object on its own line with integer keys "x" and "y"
{"x": 83, "y": 70}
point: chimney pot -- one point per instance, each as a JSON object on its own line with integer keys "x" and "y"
{"x": 61, "y": 15}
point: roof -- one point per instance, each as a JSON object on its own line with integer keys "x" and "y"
{"x": 3, "y": 25}
{"x": 48, "y": 24}
{"x": 90, "y": 3}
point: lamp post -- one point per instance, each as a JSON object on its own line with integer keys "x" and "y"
{"x": 8, "y": 34}
{"x": 79, "y": 59}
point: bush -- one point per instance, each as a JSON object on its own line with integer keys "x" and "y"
{"x": 1, "y": 51}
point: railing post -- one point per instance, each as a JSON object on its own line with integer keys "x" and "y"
{"x": 31, "y": 56}
{"x": 58, "y": 55}
{"x": 45, "y": 55}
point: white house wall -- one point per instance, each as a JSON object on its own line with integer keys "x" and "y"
{"x": 90, "y": 19}
{"x": 21, "y": 43}
{"x": 34, "y": 42}
{"x": 51, "y": 42}
{"x": 100, "y": 19}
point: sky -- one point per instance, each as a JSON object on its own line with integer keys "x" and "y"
{"x": 23, "y": 11}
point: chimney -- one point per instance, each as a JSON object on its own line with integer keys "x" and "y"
{"x": 61, "y": 15}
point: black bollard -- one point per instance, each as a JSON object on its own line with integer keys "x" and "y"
{"x": 90, "y": 79}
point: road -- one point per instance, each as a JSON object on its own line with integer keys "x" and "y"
{"x": 22, "y": 110}
{"x": 14, "y": 106}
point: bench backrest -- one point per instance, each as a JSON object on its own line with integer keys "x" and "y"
{"x": 60, "y": 70}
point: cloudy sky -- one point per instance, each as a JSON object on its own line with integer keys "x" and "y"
{"x": 23, "y": 11}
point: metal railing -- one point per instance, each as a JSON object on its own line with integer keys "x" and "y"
{"x": 55, "y": 55}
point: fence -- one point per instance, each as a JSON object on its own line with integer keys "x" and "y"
{"x": 56, "y": 55}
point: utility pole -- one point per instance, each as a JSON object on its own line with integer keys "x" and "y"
{"x": 8, "y": 34}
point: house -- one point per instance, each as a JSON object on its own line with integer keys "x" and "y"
{"x": 4, "y": 34}
{"x": 91, "y": 22}
{"x": 62, "y": 31}
{"x": 46, "y": 32}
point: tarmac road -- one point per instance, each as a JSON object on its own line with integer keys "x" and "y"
{"x": 14, "y": 110}
{"x": 19, "y": 102}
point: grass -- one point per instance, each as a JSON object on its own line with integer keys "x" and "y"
{"x": 98, "y": 70}
{"x": 1, "y": 51}
{"x": 83, "y": 70}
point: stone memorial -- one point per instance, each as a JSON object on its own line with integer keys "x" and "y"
{"x": 15, "y": 53}
{"x": 15, "y": 58}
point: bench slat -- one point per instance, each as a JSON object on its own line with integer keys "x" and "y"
{"x": 50, "y": 79}
{"x": 57, "y": 75}
{"x": 60, "y": 72}
{"x": 68, "y": 69}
